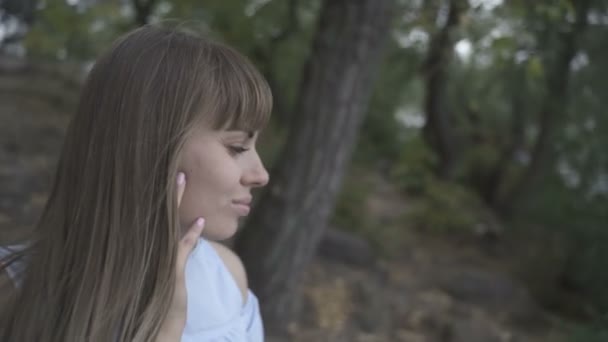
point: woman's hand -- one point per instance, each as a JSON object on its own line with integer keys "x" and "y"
{"x": 175, "y": 321}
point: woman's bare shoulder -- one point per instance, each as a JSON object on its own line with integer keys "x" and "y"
{"x": 234, "y": 265}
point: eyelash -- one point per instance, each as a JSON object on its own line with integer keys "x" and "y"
{"x": 237, "y": 149}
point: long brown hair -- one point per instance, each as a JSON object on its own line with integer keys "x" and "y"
{"x": 100, "y": 262}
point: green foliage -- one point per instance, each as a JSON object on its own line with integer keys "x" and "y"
{"x": 270, "y": 143}
{"x": 350, "y": 213}
{"x": 447, "y": 208}
{"x": 63, "y": 32}
{"x": 253, "y": 27}
{"x": 535, "y": 68}
{"x": 479, "y": 161}
{"x": 436, "y": 206}
{"x": 385, "y": 231}
{"x": 382, "y": 136}
{"x": 597, "y": 332}
{"x": 413, "y": 172}
{"x": 580, "y": 222}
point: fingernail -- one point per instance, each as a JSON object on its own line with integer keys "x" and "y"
{"x": 200, "y": 222}
{"x": 181, "y": 178}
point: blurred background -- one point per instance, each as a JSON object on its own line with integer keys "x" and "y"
{"x": 442, "y": 158}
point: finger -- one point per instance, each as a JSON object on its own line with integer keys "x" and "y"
{"x": 187, "y": 243}
{"x": 181, "y": 186}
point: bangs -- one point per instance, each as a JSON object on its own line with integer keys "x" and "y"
{"x": 244, "y": 99}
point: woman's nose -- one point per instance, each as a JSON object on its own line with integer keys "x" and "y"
{"x": 257, "y": 175}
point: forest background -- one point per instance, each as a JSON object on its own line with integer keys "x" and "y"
{"x": 436, "y": 166}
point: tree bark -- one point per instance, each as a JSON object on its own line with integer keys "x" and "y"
{"x": 284, "y": 230}
{"x": 437, "y": 131}
{"x": 552, "y": 107}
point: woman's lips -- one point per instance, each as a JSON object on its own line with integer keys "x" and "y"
{"x": 241, "y": 208}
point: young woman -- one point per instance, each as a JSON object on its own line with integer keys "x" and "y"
{"x": 162, "y": 144}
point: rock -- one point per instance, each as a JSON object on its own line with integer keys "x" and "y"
{"x": 477, "y": 330}
{"x": 373, "y": 312}
{"x": 410, "y": 336}
{"x": 497, "y": 293}
{"x": 484, "y": 288}
{"x": 347, "y": 248}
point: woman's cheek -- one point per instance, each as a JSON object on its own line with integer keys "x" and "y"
{"x": 186, "y": 212}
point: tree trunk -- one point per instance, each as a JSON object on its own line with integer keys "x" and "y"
{"x": 552, "y": 107}
{"x": 284, "y": 230}
{"x": 437, "y": 131}
{"x": 490, "y": 192}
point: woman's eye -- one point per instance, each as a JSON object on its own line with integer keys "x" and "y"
{"x": 237, "y": 149}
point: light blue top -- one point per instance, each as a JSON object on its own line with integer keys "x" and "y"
{"x": 15, "y": 269}
{"x": 216, "y": 312}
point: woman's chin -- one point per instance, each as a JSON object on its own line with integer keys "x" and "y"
{"x": 220, "y": 232}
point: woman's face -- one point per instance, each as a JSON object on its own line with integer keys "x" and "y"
{"x": 221, "y": 167}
